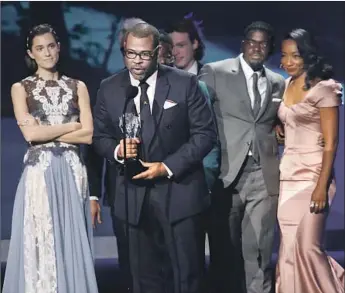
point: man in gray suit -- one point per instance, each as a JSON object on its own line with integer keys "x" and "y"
{"x": 244, "y": 202}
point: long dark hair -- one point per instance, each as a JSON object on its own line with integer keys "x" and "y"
{"x": 37, "y": 30}
{"x": 315, "y": 65}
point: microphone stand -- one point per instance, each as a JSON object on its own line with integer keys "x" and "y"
{"x": 130, "y": 94}
{"x": 126, "y": 186}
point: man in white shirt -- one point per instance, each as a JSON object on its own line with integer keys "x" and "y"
{"x": 188, "y": 48}
{"x": 244, "y": 202}
{"x": 166, "y": 201}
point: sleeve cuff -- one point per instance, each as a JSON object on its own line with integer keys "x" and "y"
{"x": 115, "y": 155}
{"x": 170, "y": 174}
{"x": 93, "y": 198}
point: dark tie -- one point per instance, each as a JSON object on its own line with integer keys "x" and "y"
{"x": 147, "y": 123}
{"x": 257, "y": 96}
{"x": 256, "y": 110}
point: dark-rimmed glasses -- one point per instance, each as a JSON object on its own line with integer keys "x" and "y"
{"x": 143, "y": 55}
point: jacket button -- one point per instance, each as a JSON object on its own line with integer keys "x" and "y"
{"x": 169, "y": 126}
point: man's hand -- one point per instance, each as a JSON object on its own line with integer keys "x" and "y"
{"x": 131, "y": 148}
{"x": 154, "y": 170}
{"x": 95, "y": 213}
{"x": 280, "y": 135}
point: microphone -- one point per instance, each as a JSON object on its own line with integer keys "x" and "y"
{"x": 131, "y": 93}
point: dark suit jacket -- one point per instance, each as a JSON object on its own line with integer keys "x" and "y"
{"x": 95, "y": 164}
{"x": 212, "y": 161}
{"x": 184, "y": 134}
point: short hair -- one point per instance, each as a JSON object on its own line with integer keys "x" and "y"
{"x": 165, "y": 38}
{"x": 263, "y": 27}
{"x": 144, "y": 30}
{"x": 126, "y": 25}
{"x": 188, "y": 26}
{"x": 314, "y": 65}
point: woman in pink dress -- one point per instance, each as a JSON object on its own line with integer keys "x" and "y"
{"x": 309, "y": 113}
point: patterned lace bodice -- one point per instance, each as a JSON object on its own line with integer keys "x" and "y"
{"x": 52, "y": 101}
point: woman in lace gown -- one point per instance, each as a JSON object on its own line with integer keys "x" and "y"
{"x": 309, "y": 112}
{"x": 51, "y": 242}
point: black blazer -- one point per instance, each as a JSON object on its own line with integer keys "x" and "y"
{"x": 184, "y": 135}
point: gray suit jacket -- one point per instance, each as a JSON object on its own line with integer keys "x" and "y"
{"x": 236, "y": 124}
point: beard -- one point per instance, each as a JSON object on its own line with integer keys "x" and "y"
{"x": 143, "y": 73}
{"x": 256, "y": 64}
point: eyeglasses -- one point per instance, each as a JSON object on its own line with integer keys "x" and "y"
{"x": 143, "y": 55}
{"x": 253, "y": 43}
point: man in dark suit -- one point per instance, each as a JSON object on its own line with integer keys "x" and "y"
{"x": 188, "y": 51}
{"x": 244, "y": 202}
{"x": 166, "y": 202}
{"x": 185, "y": 49}
{"x": 211, "y": 162}
{"x": 188, "y": 47}
{"x": 95, "y": 166}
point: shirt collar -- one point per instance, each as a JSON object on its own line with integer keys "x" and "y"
{"x": 248, "y": 71}
{"x": 151, "y": 80}
{"x": 194, "y": 68}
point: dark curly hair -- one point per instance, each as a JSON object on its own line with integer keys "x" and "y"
{"x": 188, "y": 26}
{"x": 263, "y": 27}
{"x": 315, "y": 65}
{"x": 37, "y": 30}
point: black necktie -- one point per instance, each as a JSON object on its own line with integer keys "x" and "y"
{"x": 147, "y": 123}
{"x": 257, "y": 96}
{"x": 256, "y": 110}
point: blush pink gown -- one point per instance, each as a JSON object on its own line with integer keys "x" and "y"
{"x": 303, "y": 266}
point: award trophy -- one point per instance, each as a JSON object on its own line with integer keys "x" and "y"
{"x": 130, "y": 126}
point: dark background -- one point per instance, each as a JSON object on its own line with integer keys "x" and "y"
{"x": 90, "y": 52}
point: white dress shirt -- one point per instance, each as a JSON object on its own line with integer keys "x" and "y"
{"x": 262, "y": 81}
{"x": 194, "y": 68}
{"x": 151, "y": 81}
{"x": 262, "y": 84}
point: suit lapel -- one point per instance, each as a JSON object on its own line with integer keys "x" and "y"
{"x": 267, "y": 99}
{"x": 117, "y": 97}
{"x": 161, "y": 94}
{"x": 125, "y": 82}
{"x": 238, "y": 81}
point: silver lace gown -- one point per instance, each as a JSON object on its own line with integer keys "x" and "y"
{"x": 51, "y": 242}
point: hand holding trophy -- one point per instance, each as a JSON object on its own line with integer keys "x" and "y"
{"x": 130, "y": 126}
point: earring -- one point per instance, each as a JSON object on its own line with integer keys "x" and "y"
{"x": 280, "y": 66}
